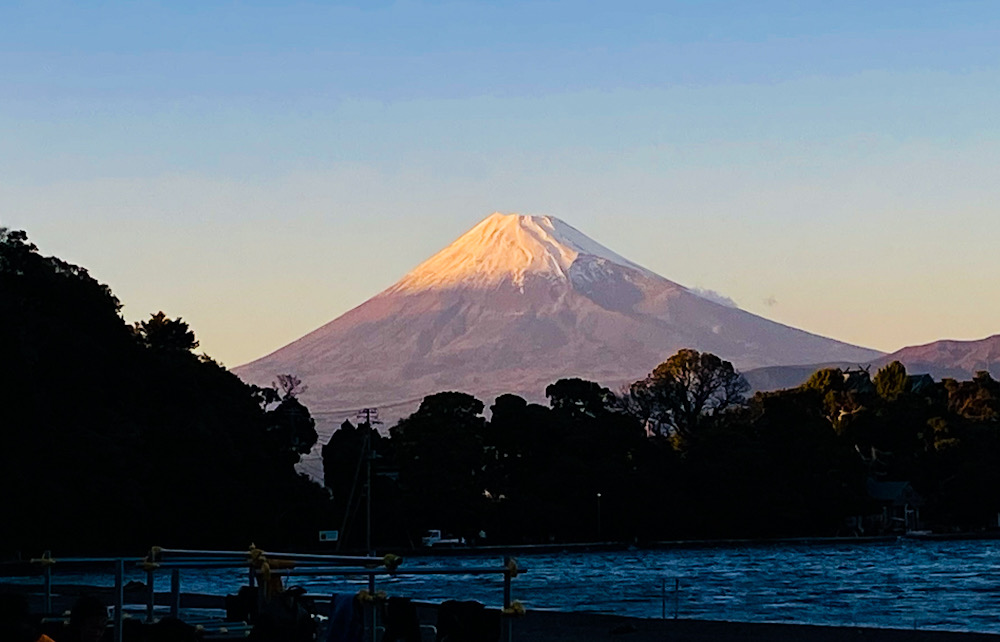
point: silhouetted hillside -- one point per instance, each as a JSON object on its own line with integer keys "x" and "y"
{"x": 117, "y": 437}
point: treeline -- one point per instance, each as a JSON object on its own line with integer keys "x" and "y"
{"x": 680, "y": 454}
{"x": 117, "y": 437}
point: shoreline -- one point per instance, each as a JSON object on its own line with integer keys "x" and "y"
{"x": 8, "y": 565}
{"x": 582, "y": 626}
{"x": 513, "y": 549}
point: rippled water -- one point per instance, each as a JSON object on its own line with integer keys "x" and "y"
{"x": 927, "y": 585}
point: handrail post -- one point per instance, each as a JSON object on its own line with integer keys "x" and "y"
{"x": 175, "y": 593}
{"x": 119, "y": 598}
{"x": 48, "y": 589}
{"x": 150, "y": 595}
{"x": 506, "y": 589}
{"x": 508, "y": 622}
{"x": 371, "y": 592}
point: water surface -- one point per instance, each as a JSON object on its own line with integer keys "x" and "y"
{"x": 953, "y": 585}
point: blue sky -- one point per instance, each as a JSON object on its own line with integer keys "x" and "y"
{"x": 259, "y": 168}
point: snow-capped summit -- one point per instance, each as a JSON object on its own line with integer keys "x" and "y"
{"x": 513, "y": 305}
{"x": 508, "y": 248}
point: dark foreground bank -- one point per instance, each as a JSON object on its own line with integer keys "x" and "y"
{"x": 562, "y": 626}
{"x": 593, "y": 627}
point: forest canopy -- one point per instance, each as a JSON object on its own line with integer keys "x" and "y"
{"x": 683, "y": 453}
{"x": 119, "y": 437}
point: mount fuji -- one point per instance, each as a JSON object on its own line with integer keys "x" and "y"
{"x": 513, "y": 305}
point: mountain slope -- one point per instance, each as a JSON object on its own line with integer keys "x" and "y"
{"x": 513, "y": 305}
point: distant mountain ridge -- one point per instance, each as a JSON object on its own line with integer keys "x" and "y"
{"x": 512, "y": 305}
{"x": 947, "y": 358}
{"x": 950, "y": 358}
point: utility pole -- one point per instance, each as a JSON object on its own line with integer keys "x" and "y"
{"x": 370, "y": 416}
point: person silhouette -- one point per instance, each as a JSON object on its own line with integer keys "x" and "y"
{"x": 88, "y": 620}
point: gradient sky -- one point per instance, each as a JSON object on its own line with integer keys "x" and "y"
{"x": 260, "y": 168}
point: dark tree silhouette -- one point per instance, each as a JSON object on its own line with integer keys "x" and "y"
{"x": 290, "y": 386}
{"x": 578, "y": 396}
{"x": 291, "y": 430}
{"x": 687, "y": 391}
{"x": 891, "y": 381}
{"x": 826, "y": 380}
{"x": 441, "y": 458}
{"x": 163, "y": 333}
{"x": 116, "y": 437}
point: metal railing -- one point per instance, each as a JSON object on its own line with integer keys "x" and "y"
{"x": 260, "y": 565}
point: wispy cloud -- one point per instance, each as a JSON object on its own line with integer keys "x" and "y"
{"x": 715, "y": 297}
